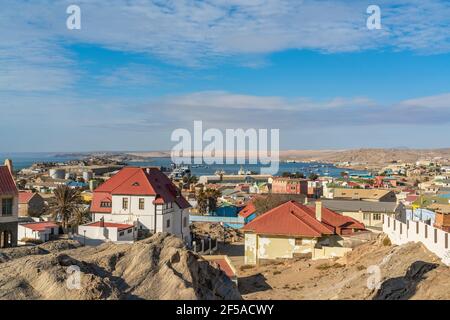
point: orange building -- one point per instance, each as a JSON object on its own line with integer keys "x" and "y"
{"x": 442, "y": 221}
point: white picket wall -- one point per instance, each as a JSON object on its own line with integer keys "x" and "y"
{"x": 434, "y": 239}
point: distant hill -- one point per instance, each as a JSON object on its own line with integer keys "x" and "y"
{"x": 379, "y": 156}
{"x": 369, "y": 156}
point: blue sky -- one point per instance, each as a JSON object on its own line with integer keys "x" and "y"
{"x": 139, "y": 69}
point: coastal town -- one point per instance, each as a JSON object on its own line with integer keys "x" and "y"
{"x": 214, "y": 158}
{"x": 240, "y": 223}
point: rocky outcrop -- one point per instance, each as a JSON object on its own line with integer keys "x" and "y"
{"x": 159, "y": 267}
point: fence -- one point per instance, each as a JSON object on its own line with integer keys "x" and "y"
{"x": 434, "y": 239}
{"x": 230, "y": 221}
{"x": 204, "y": 245}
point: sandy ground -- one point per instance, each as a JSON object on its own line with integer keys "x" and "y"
{"x": 344, "y": 278}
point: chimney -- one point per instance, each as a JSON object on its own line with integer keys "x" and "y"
{"x": 305, "y": 202}
{"x": 319, "y": 210}
{"x": 9, "y": 164}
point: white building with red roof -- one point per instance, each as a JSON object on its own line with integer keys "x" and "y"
{"x": 144, "y": 197}
{"x": 96, "y": 233}
{"x": 8, "y": 207}
{"x": 42, "y": 231}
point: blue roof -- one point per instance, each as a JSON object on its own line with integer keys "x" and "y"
{"x": 445, "y": 196}
{"x": 419, "y": 214}
{"x": 76, "y": 184}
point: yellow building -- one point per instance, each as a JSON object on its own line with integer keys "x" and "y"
{"x": 86, "y": 196}
{"x": 293, "y": 228}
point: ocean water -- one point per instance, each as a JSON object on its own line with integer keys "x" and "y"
{"x": 25, "y": 160}
{"x": 303, "y": 167}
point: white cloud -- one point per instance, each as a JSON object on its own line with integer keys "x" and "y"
{"x": 431, "y": 102}
{"x": 230, "y": 110}
{"x": 34, "y": 36}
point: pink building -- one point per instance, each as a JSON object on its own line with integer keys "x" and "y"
{"x": 281, "y": 185}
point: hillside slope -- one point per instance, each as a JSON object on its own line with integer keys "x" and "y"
{"x": 409, "y": 271}
{"x": 156, "y": 268}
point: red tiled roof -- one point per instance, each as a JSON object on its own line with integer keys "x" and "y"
{"x": 119, "y": 226}
{"x": 7, "y": 185}
{"x": 182, "y": 203}
{"x": 97, "y": 199}
{"x": 290, "y": 218}
{"x": 337, "y": 220}
{"x": 137, "y": 181}
{"x": 248, "y": 210}
{"x": 412, "y": 197}
{"x": 25, "y": 196}
{"x": 40, "y": 226}
{"x": 225, "y": 267}
{"x": 158, "y": 201}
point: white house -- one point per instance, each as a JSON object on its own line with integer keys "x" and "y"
{"x": 95, "y": 233}
{"x": 144, "y": 197}
{"x": 37, "y": 230}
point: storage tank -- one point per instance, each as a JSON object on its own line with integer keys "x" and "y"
{"x": 87, "y": 175}
{"x": 93, "y": 184}
{"x": 70, "y": 176}
{"x": 57, "y": 173}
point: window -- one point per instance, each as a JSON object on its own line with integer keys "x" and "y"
{"x": 435, "y": 235}
{"x": 298, "y": 241}
{"x": 125, "y": 203}
{"x": 105, "y": 204}
{"x": 168, "y": 223}
{"x": 7, "y": 207}
{"x": 141, "y": 204}
{"x": 184, "y": 222}
{"x": 121, "y": 234}
{"x": 377, "y": 216}
{"x": 366, "y": 216}
{"x": 130, "y": 230}
{"x": 446, "y": 240}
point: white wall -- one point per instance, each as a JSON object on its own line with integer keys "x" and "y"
{"x": 23, "y": 232}
{"x": 433, "y": 238}
{"x": 105, "y": 234}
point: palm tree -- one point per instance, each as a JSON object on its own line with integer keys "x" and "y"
{"x": 212, "y": 195}
{"x": 67, "y": 201}
{"x": 80, "y": 216}
{"x": 202, "y": 202}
